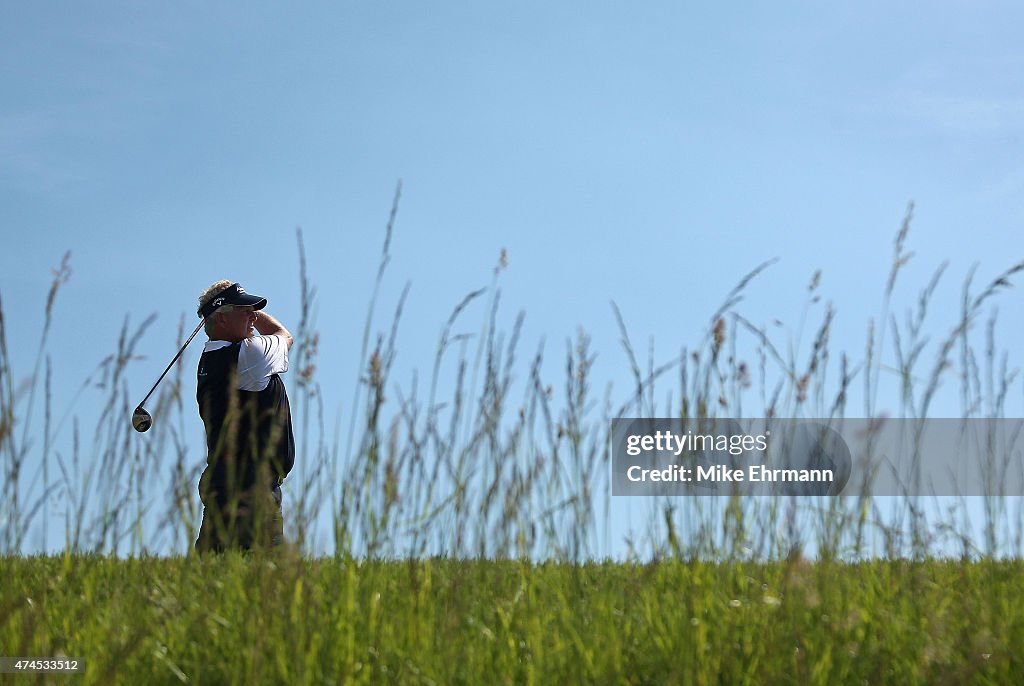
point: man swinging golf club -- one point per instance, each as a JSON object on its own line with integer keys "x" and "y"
{"x": 244, "y": 406}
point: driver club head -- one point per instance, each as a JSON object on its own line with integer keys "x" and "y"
{"x": 141, "y": 419}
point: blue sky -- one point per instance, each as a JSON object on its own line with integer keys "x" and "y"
{"x": 647, "y": 153}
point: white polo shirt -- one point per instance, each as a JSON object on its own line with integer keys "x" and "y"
{"x": 259, "y": 358}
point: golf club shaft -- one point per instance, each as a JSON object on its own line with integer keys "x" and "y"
{"x": 172, "y": 363}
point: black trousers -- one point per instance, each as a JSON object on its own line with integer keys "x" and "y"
{"x": 251, "y": 521}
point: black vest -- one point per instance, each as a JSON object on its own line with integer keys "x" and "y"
{"x": 249, "y": 437}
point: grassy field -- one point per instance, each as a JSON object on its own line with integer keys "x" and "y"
{"x": 465, "y": 513}
{"x": 289, "y": 620}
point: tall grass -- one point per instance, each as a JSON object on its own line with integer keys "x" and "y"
{"x": 467, "y": 515}
{"x": 491, "y": 458}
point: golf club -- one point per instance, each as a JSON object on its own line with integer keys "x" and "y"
{"x": 141, "y": 419}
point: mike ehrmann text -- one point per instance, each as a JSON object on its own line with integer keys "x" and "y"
{"x": 721, "y": 473}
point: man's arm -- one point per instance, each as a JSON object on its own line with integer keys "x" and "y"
{"x": 260, "y": 357}
{"x": 268, "y": 326}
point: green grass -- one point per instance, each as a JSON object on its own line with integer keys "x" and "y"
{"x": 248, "y": 620}
{"x": 505, "y": 475}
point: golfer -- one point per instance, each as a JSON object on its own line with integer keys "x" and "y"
{"x": 244, "y": 406}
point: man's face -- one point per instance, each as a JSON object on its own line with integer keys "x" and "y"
{"x": 237, "y": 324}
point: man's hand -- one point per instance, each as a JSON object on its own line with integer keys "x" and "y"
{"x": 268, "y": 326}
